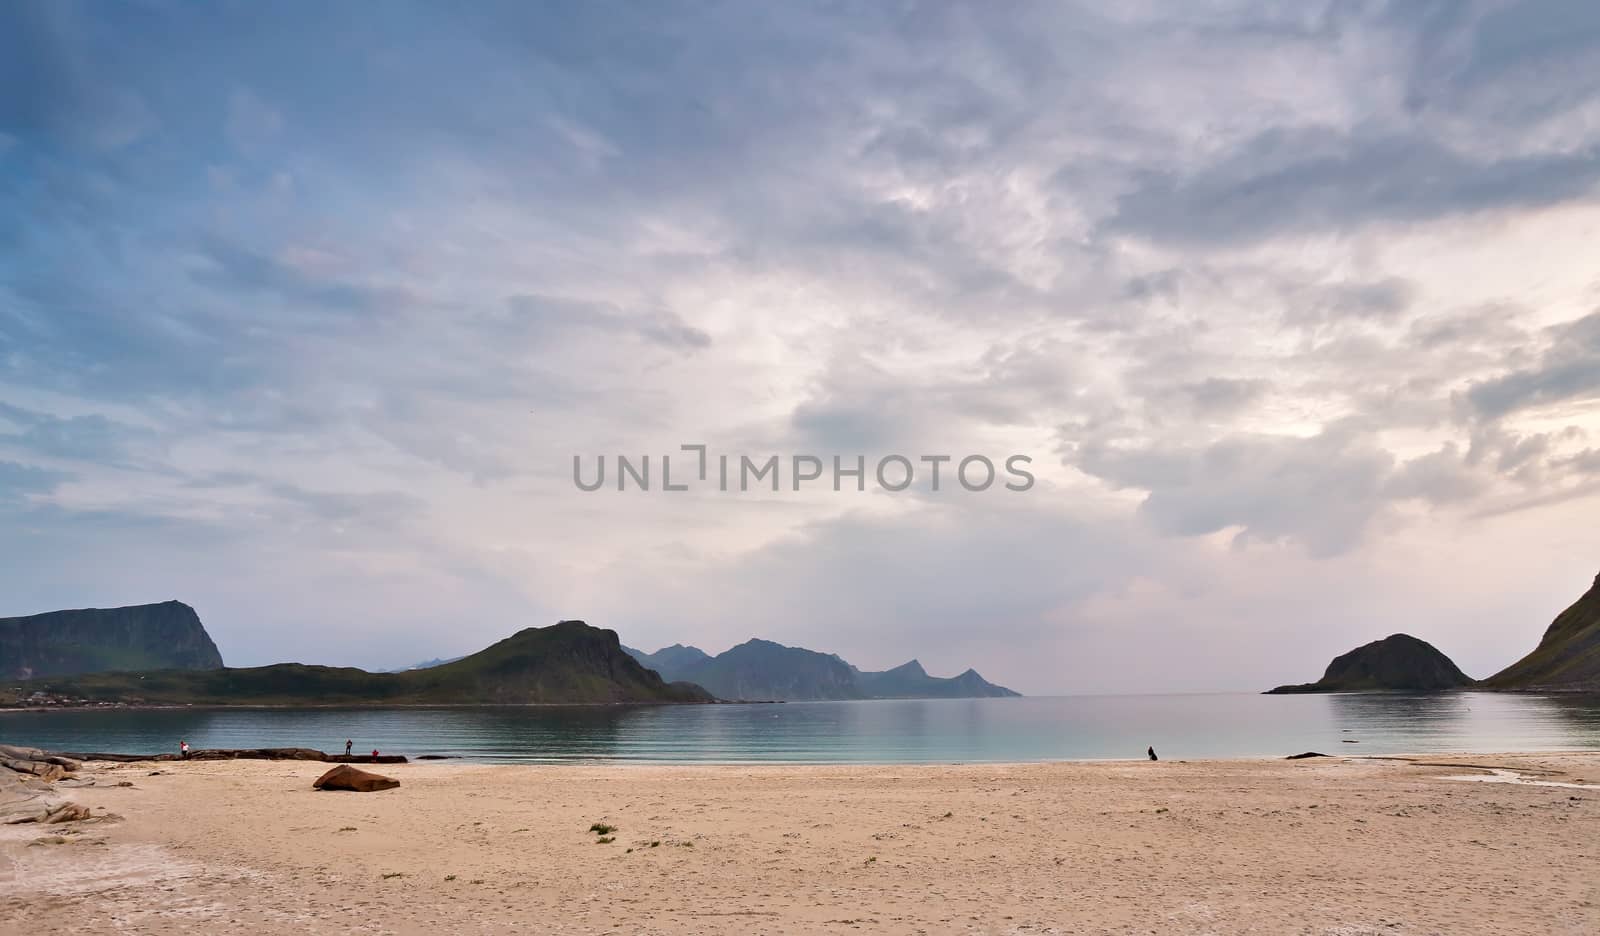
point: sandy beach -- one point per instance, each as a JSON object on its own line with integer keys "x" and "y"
{"x": 1322, "y": 846}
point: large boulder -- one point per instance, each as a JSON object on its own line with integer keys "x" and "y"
{"x": 345, "y": 777}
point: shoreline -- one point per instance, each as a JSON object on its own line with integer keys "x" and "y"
{"x": 364, "y": 706}
{"x": 1412, "y": 757}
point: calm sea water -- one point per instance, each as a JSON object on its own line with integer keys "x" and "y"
{"x": 930, "y": 731}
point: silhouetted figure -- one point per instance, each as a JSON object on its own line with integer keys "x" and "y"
{"x": 348, "y": 744}
{"x": 1151, "y": 750}
{"x": 374, "y": 755}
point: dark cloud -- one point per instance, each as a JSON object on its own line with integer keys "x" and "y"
{"x": 549, "y": 319}
{"x": 1440, "y": 477}
{"x": 17, "y": 480}
{"x": 90, "y": 438}
{"x": 239, "y": 271}
{"x": 1309, "y": 181}
{"x": 1224, "y": 396}
{"x": 1568, "y": 370}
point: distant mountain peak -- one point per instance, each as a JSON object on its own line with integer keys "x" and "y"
{"x": 765, "y": 669}
{"x": 911, "y": 667}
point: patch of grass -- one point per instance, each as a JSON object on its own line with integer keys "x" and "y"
{"x": 600, "y": 828}
{"x": 628, "y": 852}
{"x": 655, "y": 844}
{"x": 948, "y": 815}
{"x": 872, "y": 860}
{"x": 348, "y": 828}
{"x": 605, "y": 840}
{"x": 449, "y": 877}
{"x": 1161, "y": 810}
{"x": 393, "y": 874}
{"x": 685, "y": 844}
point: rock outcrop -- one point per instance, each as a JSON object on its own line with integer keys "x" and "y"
{"x": 142, "y": 637}
{"x": 345, "y": 777}
{"x": 28, "y": 787}
{"x": 1568, "y": 656}
{"x": 1397, "y": 663}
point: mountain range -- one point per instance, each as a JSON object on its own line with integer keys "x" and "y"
{"x": 762, "y": 670}
{"x": 161, "y": 654}
{"x": 565, "y": 663}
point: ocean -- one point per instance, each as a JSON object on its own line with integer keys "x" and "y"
{"x": 888, "y": 731}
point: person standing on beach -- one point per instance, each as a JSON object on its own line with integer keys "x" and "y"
{"x": 1151, "y": 750}
{"x": 348, "y": 744}
{"x": 183, "y": 748}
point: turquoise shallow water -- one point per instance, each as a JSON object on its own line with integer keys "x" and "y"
{"x": 915, "y": 731}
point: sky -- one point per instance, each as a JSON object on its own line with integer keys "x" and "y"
{"x": 307, "y": 309}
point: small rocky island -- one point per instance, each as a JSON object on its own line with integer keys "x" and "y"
{"x": 1397, "y": 663}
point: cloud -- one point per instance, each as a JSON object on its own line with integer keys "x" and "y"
{"x": 18, "y": 481}
{"x": 236, "y": 269}
{"x": 1324, "y": 181}
{"x": 549, "y": 318}
{"x": 90, "y": 437}
{"x": 1323, "y": 491}
{"x": 306, "y": 314}
{"x": 1569, "y": 369}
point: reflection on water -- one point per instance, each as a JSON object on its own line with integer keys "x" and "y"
{"x": 898, "y": 731}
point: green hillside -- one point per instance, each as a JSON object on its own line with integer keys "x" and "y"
{"x": 566, "y": 663}
{"x": 168, "y": 635}
{"x": 1568, "y": 656}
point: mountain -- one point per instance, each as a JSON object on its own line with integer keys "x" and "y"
{"x": 1398, "y": 662}
{"x": 567, "y": 663}
{"x": 1568, "y": 656}
{"x": 761, "y": 669}
{"x": 670, "y": 659}
{"x": 911, "y": 681}
{"x": 168, "y": 635}
{"x": 426, "y": 664}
